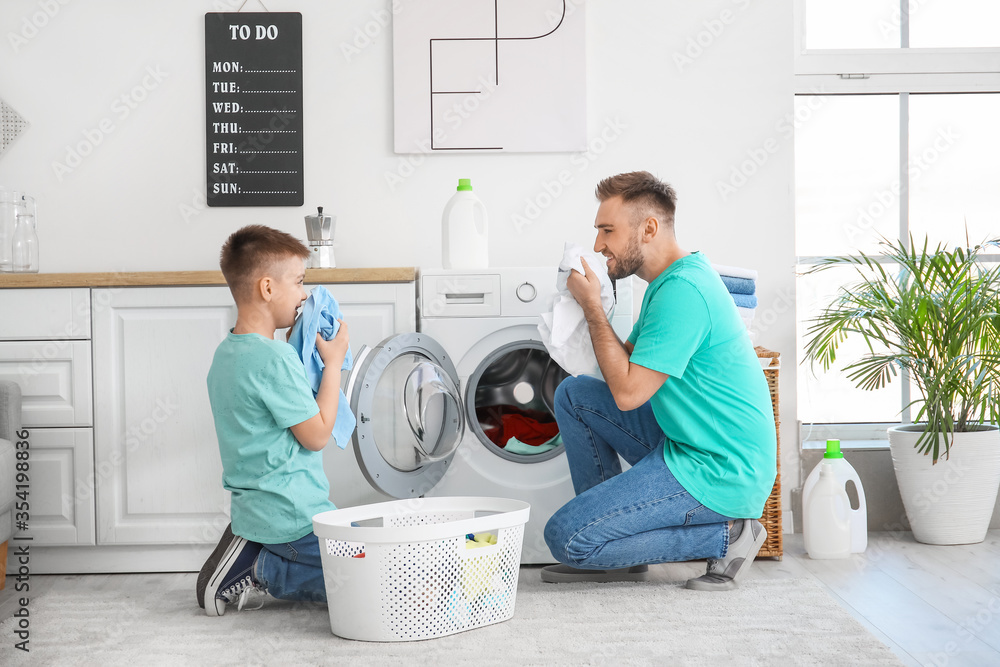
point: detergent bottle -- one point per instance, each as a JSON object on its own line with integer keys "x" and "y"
{"x": 845, "y": 476}
{"x": 464, "y": 238}
{"x": 826, "y": 519}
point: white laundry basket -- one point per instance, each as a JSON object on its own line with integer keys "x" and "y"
{"x": 405, "y": 572}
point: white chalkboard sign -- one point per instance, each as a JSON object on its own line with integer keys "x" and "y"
{"x": 253, "y": 109}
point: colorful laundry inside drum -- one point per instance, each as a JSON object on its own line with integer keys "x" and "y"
{"x": 515, "y": 446}
{"x": 503, "y": 424}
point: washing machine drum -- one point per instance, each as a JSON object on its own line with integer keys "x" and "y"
{"x": 404, "y": 393}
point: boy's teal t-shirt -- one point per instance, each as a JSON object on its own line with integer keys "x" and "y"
{"x": 258, "y": 389}
{"x": 715, "y": 406}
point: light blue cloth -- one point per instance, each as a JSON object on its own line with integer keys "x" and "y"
{"x": 739, "y": 285}
{"x": 320, "y": 313}
{"x": 515, "y": 446}
{"x": 745, "y": 300}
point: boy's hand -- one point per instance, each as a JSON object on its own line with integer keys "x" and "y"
{"x": 314, "y": 433}
{"x": 333, "y": 351}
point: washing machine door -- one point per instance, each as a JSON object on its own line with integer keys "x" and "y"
{"x": 404, "y": 393}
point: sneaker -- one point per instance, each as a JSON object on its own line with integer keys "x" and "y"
{"x": 251, "y": 599}
{"x": 563, "y": 574}
{"x": 724, "y": 573}
{"x": 232, "y": 576}
{"x": 213, "y": 562}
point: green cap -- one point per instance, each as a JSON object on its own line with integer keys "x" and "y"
{"x": 833, "y": 450}
{"x": 464, "y": 184}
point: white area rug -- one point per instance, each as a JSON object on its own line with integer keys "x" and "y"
{"x": 137, "y": 619}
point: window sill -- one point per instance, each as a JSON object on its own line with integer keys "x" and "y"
{"x": 849, "y": 445}
{"x": 865, "y": 433}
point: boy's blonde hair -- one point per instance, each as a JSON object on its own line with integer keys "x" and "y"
{"x": 250, "y": 252}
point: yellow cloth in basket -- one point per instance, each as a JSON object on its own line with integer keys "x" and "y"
{"x": 478, "y": 571}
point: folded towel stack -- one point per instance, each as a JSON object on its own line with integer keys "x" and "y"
{"x": 742, "y": 286}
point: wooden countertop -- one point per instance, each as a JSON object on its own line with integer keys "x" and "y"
{"x": 178, "y": 278}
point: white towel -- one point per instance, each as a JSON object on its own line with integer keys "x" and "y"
{"x": 564, "y": 331}
{"x": 747, "y": 314}
{"x": 735, "y": 271}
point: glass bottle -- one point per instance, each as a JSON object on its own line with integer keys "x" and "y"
{"x": 25, "y": 245}
{"x": 9, "y": 207}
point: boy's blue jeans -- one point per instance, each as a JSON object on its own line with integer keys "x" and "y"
{"x": 292, "y": 571}
{"x": 620, "y": 519}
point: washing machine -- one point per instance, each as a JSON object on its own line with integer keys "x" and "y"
{"x": 463, "y": 406}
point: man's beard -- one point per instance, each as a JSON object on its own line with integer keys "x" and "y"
{"x": 628, "y": 263}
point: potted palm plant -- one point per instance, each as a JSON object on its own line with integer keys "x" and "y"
{"x": 935, "y": 314}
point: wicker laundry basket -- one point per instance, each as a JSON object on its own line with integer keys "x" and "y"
{"x": 772, "y": 508}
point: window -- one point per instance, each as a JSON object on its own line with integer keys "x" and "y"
{"x": 897, "y": 104}
{"x": 885, "y": 24}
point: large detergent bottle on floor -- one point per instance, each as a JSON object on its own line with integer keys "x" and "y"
{"x": 846, "y": 477}
{"x": 464, "y": 237}
{"x": 826, "y": 518}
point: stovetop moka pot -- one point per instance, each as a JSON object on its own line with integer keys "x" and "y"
{"x": 319, "y": 230}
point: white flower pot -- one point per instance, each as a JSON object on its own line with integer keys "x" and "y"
{"x": 950, "y": 502}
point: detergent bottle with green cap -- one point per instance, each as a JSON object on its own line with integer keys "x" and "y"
{"x": 826, "y": 517}
{"x": 464, "y": 237}
{"x": 845, "y": 478}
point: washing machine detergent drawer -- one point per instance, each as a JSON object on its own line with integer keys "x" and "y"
{"x": 460, "y": 295}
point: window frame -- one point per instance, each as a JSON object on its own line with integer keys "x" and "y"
{"x": 903, "y": 71}
{"x": 904, "y": 60}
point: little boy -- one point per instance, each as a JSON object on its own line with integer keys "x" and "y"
{"x": 270, "y": 429}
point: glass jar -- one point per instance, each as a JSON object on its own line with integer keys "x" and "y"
{"x": 9, "y": 207}
{"x": 25, "y": 244}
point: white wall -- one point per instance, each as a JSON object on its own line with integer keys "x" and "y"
{"x": 136, "y": 201}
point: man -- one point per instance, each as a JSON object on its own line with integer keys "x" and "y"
{"x": 684, "y": 402}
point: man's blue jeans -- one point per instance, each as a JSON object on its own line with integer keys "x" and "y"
{"x": 292, "y": 571}
{"x": 620, "y": 519}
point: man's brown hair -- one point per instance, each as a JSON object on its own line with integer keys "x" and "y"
{"x": 651, "y": 195}
{"x": 250, "y": 252}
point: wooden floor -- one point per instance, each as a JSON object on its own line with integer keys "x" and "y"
{"x": 930, "y": 605}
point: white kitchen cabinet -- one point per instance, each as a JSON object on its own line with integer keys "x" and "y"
{"x": 62, "y": 486}
{"x": 153, "y": 423}
{"x": 125, "y": 470}
{"x": 45, "y": 348}
{"x": 55, "y": 380}
{"x": 45, "y": 314}
{"x": 375, "y": 311}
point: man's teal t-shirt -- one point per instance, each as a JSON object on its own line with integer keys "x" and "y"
{"x": 258, "y": 389}
{"x": 715, "y": 406}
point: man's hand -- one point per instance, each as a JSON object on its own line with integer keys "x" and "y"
{"x": 631, "y": 384}
{"x": 585, "y": 288}
{"x": 333, "y": 351}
